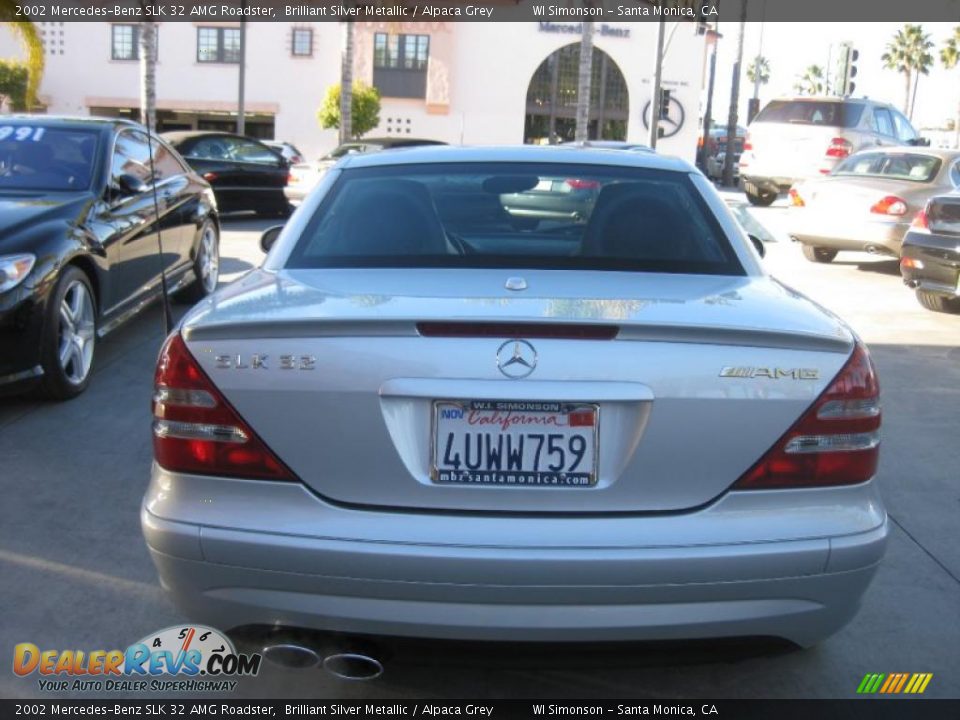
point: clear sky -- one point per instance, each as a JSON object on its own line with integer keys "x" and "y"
{"x": 791, "y": 47}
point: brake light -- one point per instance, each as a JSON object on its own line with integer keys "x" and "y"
{"x": 921, "y": 221}
{"x": 195, "y": 430}
{"x": 579, "y": 184}
{"x": 909, "y": 263}
{"x": 890, "y": 205}
{"x": 835, "y": 442}
{"x": 795, "y": 199}
{"x": 839, "y": 148}
{"x": 210, "y": 176}
{"x": 747, "y": 145}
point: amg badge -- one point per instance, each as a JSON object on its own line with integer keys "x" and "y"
{"x": 772, "y": 373}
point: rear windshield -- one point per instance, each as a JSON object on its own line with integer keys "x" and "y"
{"x": 516, "y": 215}
{"x": 34, "y": 157}
{"x": 812, "y": 112}
{"x": 900, "y": 166}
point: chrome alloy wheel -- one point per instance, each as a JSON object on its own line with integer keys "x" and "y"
{"x": 76, "y": 333}
{"x": 208, "y": 259}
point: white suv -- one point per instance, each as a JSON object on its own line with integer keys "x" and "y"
{"x": 806, "y": 137}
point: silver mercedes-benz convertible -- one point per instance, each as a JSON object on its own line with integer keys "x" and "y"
{"x": 421, "y": 418}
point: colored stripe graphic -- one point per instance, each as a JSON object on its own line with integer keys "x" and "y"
{"x": 894, "y": 683}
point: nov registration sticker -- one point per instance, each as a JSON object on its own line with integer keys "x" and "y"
{"x": 515, "y": 443}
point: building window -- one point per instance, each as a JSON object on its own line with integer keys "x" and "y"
{"x": 125, "y": 42}
{"x": 400, "y": 64}
{"x": 302, "y": 45}
{"x": 218, "y": 45}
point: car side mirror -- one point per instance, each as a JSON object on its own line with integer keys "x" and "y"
{"x": 269, "y": 237}
{"x": 919, "y": 142}
{"x": 129, "y": 184}
{"x": 758, "y": 244}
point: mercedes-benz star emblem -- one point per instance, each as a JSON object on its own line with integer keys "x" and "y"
{"x": 516, "y": 359}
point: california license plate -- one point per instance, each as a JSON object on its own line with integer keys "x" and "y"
{"x": 515, "y": 443}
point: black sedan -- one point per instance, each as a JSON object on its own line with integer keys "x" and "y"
{"x": 85, "y": 206}
{"x": 930, "y": 257}
{"x": 245, "y": 174}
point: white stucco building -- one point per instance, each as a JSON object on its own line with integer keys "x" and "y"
{"x": 461, "y": 82}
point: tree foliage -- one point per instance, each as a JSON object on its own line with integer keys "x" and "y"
{"x": 759, "y": 66}
{"x": 26, "y": 32}
{"x": 14, "y": 80}
{"x": 908, "y": 53}
{"x": 811, "y": 82}
{"x": 365, "y": 109}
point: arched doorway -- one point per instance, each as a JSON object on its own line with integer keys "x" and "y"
{"x": 552, "y": 98}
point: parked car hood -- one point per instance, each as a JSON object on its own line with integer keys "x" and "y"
{"x": 19, "y": 211}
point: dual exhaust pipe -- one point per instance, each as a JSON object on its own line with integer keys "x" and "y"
{"x": 343, "y": 665}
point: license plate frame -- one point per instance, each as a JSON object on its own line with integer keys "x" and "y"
{"x": 445, "y": 476}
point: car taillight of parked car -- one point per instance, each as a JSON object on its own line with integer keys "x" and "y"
{"x": 795, "y": 199}
{"x": 580, "y": 184}
{"x": 890, "y": 205}
{"x": 835, "y": 442}
{"x": 839, "y": 148}
{"x": 195, "y": 429}
{"x": 921, "y": 221}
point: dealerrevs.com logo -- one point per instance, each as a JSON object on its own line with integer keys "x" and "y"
{"x": 201, "y": 658}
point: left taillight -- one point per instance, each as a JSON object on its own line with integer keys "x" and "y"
{"x": 795, "y": 199}
{"x": 836, "y": 441}
{"x": 890, "y": 205}
{"x": 195, "y": 429}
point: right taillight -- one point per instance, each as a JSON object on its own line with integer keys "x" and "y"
{"x": 921, "y": 221}
{"x": 890, "y": 205}
{"x": 835, "y": 442}
{"x": 195, "y": 430}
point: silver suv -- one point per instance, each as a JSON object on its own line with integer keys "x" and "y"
{"x": 806, "y": 137}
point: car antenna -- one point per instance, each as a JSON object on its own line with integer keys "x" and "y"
{"x": 164, "y": 290}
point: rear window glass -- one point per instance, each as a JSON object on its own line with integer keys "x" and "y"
{"x": 812, "y": 112}
{"x": 516, "y": 215}
{"x": 900, "y": 166}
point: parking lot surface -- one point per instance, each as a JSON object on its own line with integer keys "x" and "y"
{"x": 75, "y": 572}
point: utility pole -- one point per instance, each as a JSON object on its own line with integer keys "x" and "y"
{"x": 734, "y": 100}
{"x": 657, "y": 82}
{"x": 241, "y": 110}
{"x": 708, "y": 112}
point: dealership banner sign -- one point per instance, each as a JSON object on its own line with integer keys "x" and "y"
{"x": 706, "y": 11}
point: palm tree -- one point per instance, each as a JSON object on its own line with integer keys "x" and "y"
{"x": 908, "y": 53}
{"x": 26, "y": 33}
{"x": 811, "y": 82}
{"x": 148, "y": 74}
{"x": 759, "y": 69}
{"x": 584, "y": 75}
{"x": 950, "y": 57}
{"x": 346, "y": 84}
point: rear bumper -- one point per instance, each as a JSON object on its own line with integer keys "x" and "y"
{"x": 234, "y": 553}
{"x": 829, "y": 231}
{"x": 940, "y": 255}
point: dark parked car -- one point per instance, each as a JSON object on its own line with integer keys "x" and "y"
{"x": 930, "y": 257}
{"x": 245, "y": 174}
{"x": 79, "y": 241}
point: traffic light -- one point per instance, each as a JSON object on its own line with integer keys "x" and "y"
{"x": 850, "y": 58}
{"x": 664, "y": 103}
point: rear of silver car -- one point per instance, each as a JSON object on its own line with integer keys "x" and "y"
{"x": 436, "y": 452}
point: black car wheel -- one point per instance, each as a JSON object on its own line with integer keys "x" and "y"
{"x": 818, "y": 255}
{"x": 938, "y": 303}
{"x": 761, "y": 198}
{"x": 206, "y": 264}
{"x": 70, "y": 337}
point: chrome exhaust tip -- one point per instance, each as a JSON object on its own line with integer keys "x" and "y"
{"x": 353, "y": 666}
{"x": 290, "y": 655}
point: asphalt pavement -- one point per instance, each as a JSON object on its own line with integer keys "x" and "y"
{"x": 74, "y": 572}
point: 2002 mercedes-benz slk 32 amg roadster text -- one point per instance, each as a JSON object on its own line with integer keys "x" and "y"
{"x": 417, "y": 419}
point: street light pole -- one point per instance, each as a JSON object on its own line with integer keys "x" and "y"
{"x": 241, "y": 111}
{"x": 657, "y": 81}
